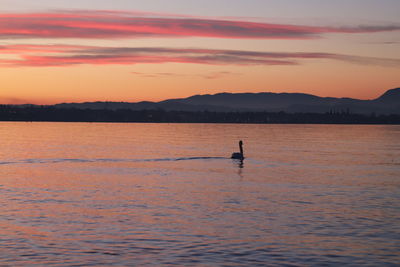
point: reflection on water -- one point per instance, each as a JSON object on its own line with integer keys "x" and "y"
{"x": 158, "y": 194}
{"x": 36, "y": 161}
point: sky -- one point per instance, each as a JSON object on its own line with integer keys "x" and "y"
{"x": 54, "y": 51}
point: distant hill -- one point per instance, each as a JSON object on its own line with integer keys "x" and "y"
{"x": 391, "y": 97}
{"x": 388, "y": 103}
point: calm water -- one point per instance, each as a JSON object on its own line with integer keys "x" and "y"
{"x": 158, "y": 194}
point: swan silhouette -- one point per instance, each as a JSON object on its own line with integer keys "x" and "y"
{"x": 239, "y": 155}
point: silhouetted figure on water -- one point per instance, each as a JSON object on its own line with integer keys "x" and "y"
{"x": 239, "y": 155}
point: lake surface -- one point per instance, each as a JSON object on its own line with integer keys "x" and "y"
{"x": 79, "y": 194}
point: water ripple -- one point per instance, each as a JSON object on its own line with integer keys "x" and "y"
{"x": 49, "y": 161}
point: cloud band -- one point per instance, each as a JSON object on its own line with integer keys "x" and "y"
{"x": 114, "y": 24}
{"x": 68, "y": 55}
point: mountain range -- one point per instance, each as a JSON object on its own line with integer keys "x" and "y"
{"x": 388, "y": 103}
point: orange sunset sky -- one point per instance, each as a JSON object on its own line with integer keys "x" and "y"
{"x": 94, "y": 50}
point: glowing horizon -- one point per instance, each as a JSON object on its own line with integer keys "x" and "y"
{"x": 123, "y": 53}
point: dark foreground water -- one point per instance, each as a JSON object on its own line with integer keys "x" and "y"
{"x": 158, "y": 194}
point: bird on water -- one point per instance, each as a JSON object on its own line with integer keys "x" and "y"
{"x": 239, "y": 155}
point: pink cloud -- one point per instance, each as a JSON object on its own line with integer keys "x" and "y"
{"x": 119, "y": 24}
{"x": 32, "y": 49}
{"x": 67, "y": 55}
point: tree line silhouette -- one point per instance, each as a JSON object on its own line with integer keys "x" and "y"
{"x": 52, "y": 114}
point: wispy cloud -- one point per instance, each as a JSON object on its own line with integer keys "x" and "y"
{"x": 65, "y": 55}
{"x": 118, "y": 24}
{"x": 209, "y": 76}
{"x": 219, "y": 75}
{"x": 13, "y": 100}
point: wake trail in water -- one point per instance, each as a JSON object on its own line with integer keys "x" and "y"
{"x": 49, "y": 161}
